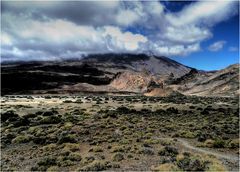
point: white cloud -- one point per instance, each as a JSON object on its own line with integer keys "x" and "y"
{"x": 61, "y": 36}
{"x": 127, "y": 17}
{"x": 16, "y": 54}
{"x": 70, "y": 29}
{"x": 216, "y": 46}
{"x": 6, "y": 39}
{"x": 193, "y": 23}
{"x": 186, "y": 34}
{"x": 176, "y": 49}
{"x": 233, "y": 49}
{"x": 124, "y": 41}
{"x": 154, "y": 7}
{"x": 208, "y": 12}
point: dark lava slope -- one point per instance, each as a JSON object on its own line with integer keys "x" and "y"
{"x": 98, "y": 69}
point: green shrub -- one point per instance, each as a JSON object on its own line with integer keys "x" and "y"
{"x": 53, "y": 169}
{"x": 74, "y": 156}
{"x": 47, "y": 161}
{"x": 67, "y": 101}
{"x": 219, "y": 143}
{"x": 70, "y": 138}
{"x": 49, "y": 113}
{"x": 51, "y": 120}
{"x": 79, "y": 101}
{"x": 67, "y": 125}
{"x": 190, "y": 163}
{"x": 118, "y": 149}
{"x": 66, "y": 162}
{"x": 71, "y": 147}
{"x": 95, "y": 166}
{"x": 168, "y": 151}
{"x": 115, "y": 165}
{"x": 234, "y": 143}
{"x": 146, "y": 151}
{"x": 187, "y": 134}
{"x": 151, "y": 141}
{"x": 33, "y": 130}
{"x": 118, "y": 157}
{"x": 8, "y": 115}
{"x": 31, "y": 115}
{"x": 96, "y": 149}
{"x": 89, "y": 159}
{"x": 49, "y": 147}
{"x": 21, "y": 139}
{"x": 165, "y": 167}
{"x": 124, "y": 141}
{"x": 209, "y": 143}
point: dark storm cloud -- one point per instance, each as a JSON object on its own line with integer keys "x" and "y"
{"x": 84, "y": 12}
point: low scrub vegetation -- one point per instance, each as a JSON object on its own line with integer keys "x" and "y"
{"x": 120, "y": 133}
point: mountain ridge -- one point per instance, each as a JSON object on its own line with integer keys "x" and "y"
{"x": 137, "y": 73}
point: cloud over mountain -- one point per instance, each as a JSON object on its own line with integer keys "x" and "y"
{"x": 52, "y": 30}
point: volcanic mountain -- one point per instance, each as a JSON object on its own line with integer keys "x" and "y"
{"x": 112, "y": 73}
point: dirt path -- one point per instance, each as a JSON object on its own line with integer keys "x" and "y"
{"x": 227, "y": 156}
{"x": 230, "y": 161}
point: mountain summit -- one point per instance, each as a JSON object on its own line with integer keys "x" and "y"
{"x": 156, "y": 65}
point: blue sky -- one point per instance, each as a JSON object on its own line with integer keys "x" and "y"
{"x": 200, "y": 34}
{"x": 213, "y": 60}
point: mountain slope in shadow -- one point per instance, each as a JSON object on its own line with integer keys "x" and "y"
{"x": 136, "y": 73}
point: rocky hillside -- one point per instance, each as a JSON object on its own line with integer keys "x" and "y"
{"x": 218, "y": 83}
{"x": 117, "y": 73}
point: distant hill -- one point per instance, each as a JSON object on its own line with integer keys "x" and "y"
{"x": 218, "y": 83}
